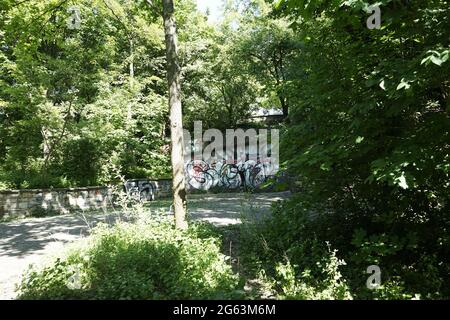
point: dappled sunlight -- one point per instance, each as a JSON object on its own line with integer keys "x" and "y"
{"x": 28, "y": 240}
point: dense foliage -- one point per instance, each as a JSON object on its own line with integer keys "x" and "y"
{"x": 77, "y": 100}
{"x": 137, "y": 261}
{"x": 368, "y": 145}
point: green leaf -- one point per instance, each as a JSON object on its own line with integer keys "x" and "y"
{"x": 278, "y": 4}
{"x": 403, "y": 85}
{"x": 436, "y": 60}
{"x": 401, "y": 181}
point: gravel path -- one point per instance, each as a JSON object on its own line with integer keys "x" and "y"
{"x": 28, "y": 241}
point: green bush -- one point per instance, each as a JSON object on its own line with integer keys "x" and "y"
{"x": 303, "y": 285}
{"x": 290, "y": 248}
{"x": 303, "y": 269}
{"x": 80, "y": 162}
{"x": 137, "y": 261}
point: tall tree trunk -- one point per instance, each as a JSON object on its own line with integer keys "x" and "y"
{"x": 129, "y": 110}
{"x": 176, "y": 124}
{"x": 284, "y": 105}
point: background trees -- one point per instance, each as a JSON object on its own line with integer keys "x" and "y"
{"x": 94, "y": 92}
{"x": 86, "y": 79}
{"x": 95, "y": 87}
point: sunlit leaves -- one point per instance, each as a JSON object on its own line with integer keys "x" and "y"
{"x": 403, "y": 85}
{"x": 436, "y": 57}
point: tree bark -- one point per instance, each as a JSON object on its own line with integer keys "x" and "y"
{"x": 129, "y": 109}
{"x": 176, "y": 123}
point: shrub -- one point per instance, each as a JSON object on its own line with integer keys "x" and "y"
{"x": 137, "y": 261}
{"x": 411, "y": 253}
{"x": 294, "y": 267}
{"x": 303, "y": 285}
{"x": 4, "y": 185}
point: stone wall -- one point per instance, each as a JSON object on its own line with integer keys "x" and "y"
{"x": 16, "y": 203}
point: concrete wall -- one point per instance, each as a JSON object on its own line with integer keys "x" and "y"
{"x": 15, "y": 203}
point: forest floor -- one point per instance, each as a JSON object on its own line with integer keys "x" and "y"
{"x": 32, "y": 240}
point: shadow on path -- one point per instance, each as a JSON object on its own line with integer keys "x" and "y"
{"x": 27, "y": 241}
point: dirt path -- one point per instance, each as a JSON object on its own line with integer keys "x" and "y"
{"x": 28, "y": 241}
